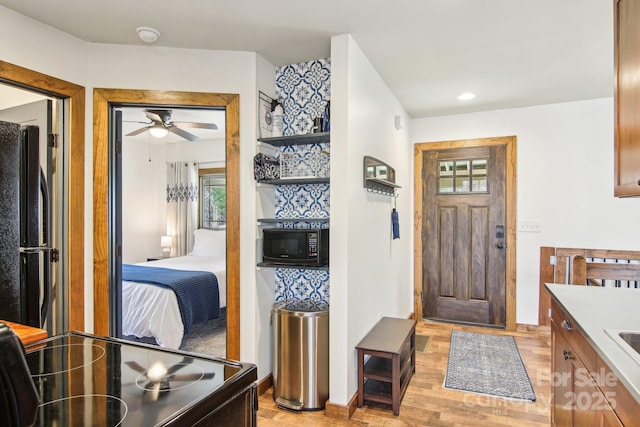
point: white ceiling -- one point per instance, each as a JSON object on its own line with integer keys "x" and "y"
{"x": 511, "y": 53}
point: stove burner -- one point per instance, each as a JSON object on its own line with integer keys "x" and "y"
{"x": 117, "y": 409}
{"x": 59, "y": 353}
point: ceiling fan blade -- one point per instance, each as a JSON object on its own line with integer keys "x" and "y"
{"x": 186, "y": 135}
{"x": 195, "y": 125}
{"x": 184, "y": 362}
{"x": 138, "y": 131}
{"x": 137, "y": 121}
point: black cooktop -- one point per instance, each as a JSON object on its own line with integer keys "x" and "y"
{"x": 87, "y": 380}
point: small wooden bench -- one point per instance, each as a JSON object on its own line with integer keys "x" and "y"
{"x": 385, "y": 375}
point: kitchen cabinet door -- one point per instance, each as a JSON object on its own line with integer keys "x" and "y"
{"x": 627, "y": 98}
{"x": 562, "y": 381}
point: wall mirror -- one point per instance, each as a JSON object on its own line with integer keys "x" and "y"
{"x": 378, "y": 177}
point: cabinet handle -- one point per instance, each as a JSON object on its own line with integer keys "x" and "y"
{"x": 567, "y": 325}
{"x": 567, "y": 355}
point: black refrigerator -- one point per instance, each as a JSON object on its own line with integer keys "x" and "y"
{"x": 25, "y": 228}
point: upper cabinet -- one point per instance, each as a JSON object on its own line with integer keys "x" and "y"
{"x": 627, "y": 98}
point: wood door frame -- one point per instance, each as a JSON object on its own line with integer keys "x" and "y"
{"x": 419, "y": 150}
{"x": 75, "y": 95}
{"x": 101, "y": 100}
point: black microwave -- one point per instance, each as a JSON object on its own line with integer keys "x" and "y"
{"x": 305, "y": 247}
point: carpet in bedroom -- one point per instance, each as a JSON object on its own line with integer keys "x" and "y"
{"x": 209, "y": 338}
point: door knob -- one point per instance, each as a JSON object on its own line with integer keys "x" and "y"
{"x": 500, "y": 245}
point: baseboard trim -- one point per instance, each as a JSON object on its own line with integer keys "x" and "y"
{"x": 341, "y": 412}
{"x": 265, "y": 384}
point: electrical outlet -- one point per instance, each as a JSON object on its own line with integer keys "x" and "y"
{"x": 530, "y": 226}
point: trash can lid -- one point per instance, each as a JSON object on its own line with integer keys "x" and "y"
{"x": 304, "y": 306}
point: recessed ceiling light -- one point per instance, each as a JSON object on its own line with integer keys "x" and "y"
{"x": 466, "y": 96}
{"x": 148, "y": 34}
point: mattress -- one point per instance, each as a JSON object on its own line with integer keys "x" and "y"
{"x": 152, "y": 311}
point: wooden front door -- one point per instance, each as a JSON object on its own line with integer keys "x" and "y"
{"x": 464, "y": 234}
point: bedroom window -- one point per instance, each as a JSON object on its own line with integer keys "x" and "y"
{"x": 213, "y": 198}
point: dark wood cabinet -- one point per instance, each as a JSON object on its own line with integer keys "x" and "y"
{"x": 562, "y": 368}
{"x": 627, "y": 98}
{"x": 577, "y": 399}
{"x": 574, "y": 391}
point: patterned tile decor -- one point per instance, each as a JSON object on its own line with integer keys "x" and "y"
{"x": 305, "y": 89}
{"x": 302, "y": 201}
{"x": 301, "y": 284}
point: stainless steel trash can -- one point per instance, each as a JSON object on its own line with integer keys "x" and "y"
{"x": 301, "y": 355}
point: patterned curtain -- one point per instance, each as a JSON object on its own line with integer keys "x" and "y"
{"x": 182, "y": 205}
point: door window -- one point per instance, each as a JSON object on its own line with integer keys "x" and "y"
{"x": 463, "y": 176}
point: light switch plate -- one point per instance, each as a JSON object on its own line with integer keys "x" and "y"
{"x": 530, "y": 226}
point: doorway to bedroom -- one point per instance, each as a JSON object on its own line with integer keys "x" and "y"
{"x": 176, "y": 112}
{"x": 173, "y": 218}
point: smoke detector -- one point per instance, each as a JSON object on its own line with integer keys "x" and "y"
{"x": 148, "y": 34}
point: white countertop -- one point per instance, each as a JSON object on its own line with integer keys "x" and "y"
{"x": 594, "y": 309}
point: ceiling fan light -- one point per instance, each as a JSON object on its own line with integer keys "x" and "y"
{"x": 158, "y": 131}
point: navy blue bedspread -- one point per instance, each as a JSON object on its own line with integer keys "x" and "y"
{"x": 197, "y": 291}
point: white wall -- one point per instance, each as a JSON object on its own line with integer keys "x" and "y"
{"x": 564, "y": 181}
{"x": 144, "y": 212}
{"x": 263, "y": 294}
{"x": 370, "y": 273}
{"x": 38, "y": 47}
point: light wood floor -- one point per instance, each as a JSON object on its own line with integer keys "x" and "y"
{"x": 426, "y": 403}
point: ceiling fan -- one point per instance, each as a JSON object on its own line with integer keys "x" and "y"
{"x": 161, "y": 124}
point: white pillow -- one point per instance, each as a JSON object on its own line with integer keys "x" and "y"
{"x": 211, "y": 243}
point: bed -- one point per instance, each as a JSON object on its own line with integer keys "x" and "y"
{"x": 150, "y": 310}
